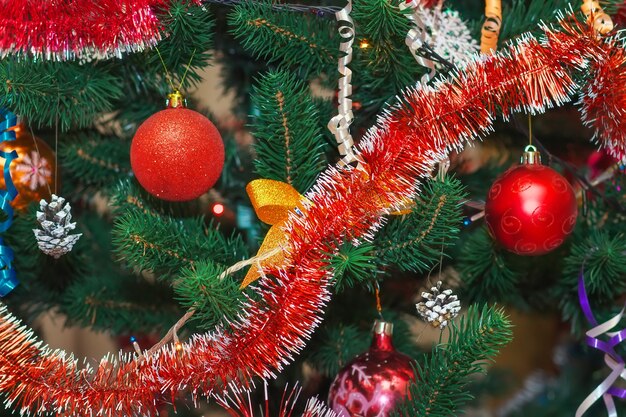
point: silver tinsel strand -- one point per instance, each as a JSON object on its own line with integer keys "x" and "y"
{"x": 439, "y": 307}
{"x": 56, "y": 223}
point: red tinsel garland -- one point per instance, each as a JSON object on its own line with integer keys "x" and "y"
{"x": 68, "y": 29}
{"x": 348, "y": 204}
{"x": 237, "y": 403}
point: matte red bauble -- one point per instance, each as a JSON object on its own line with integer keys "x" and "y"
{"x": 531, "y": 209}
{"x": 373, "y": 383}
{"x": 177, "y": 154}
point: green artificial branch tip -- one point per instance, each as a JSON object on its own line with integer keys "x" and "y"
{"x": 441, "y": 379}
{"x": 289, "y": 142}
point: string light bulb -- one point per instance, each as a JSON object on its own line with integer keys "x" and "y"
{"x": 218, "y": 209}
{"x": 364, "y": 44}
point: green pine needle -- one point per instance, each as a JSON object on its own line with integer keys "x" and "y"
{"x": 337, "y": 345}
{"x": 187, "y": 43}
{"x": 165, "y": 244}
{"x": 120, "y": 303}
{"x": 440, "y": 386}
{"x": 94, "y": 159}
{"x": 485, "y": 269}
{"x": 602, "y": 255}
{"x": 416, "y": 241}
{"x": 289, "y": 141}
{"x": 285, "y": 38}
{"x": 353, "y": 265}
{"x": 66, "y": 94}
{"x": 385, "y": 65}
{"x": 213, "y": 299}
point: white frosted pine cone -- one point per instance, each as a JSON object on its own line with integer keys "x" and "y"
{"x": 438, "y": 307}
{"x": 56, "y": 223}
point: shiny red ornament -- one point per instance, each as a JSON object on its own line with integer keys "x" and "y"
{"x": 373, "y": 383}
{"x": 177, "y": 154}
{"x": 531, "y": 208}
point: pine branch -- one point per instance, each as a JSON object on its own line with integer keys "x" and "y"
{"x": 415, "y": 242}
{"x": 128, "y": 196}
{"x": 523, "y": 16}
{"x": 336, "y": 346}
{"x": 440, "y": 388}
{"x": 285, "y": 38}
{"x": 213, "y": 299}
{"x": 47, "y": 92}
{"x": 601, "y": 253}
{"x": 386, "y": 66}
{"x": 353, "y": 265}
{"x": 289, "y": 143}
{"x": 412, "y": 242}
{"x": 150, "y": 247}
{"x": 165, "y": 244}
{"x": 187, "y": 39}
{"x": 95, "y": 159}
{"x": 151, "y": 234}
{"x": 337, "y": 343}
{"x": 486, "y": 271}
{"x": 120, "y": 303}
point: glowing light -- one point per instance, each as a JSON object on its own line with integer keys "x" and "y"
{"x": 218, "y": 209}
{"x": 364, "y": 44}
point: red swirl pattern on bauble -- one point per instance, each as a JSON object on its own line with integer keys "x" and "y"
{"x": 533, "y": 210}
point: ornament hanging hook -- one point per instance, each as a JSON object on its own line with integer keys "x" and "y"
{"x": 168, "y": 77}
{"x": 182, "y": 80}
{"x": 379, "y": 306}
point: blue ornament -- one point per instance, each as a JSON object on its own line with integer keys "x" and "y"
{"x": 8, "y": 279}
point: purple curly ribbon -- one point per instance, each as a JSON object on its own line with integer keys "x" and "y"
{"x": 606, "y": 390}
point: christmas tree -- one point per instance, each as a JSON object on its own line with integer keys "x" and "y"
{"x": 363, "y": 212}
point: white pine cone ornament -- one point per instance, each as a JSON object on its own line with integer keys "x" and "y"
{"x": 56, "y": 222}
{"x": 439, "y": 307}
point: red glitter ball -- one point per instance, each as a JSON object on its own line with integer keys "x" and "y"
{"x": 177, "y": 154}
{"x": 531, "y": 209}
{"x": 373, "y": 383}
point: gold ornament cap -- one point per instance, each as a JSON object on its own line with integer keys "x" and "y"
{"x": 531, "y": 156}
{"x": 176, "y": 100}
{"x": 383, "y": 327}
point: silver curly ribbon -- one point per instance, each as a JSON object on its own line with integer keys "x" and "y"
{"x": 416, "y": 37}
{"x": 340, "y": 124}
{"x": 607, "y": 389}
